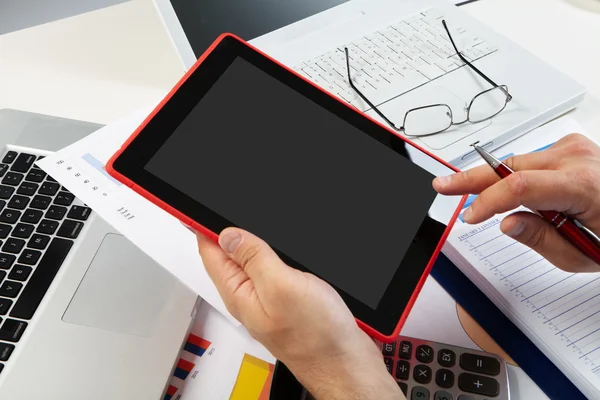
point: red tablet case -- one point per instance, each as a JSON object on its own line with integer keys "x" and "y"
{"x": 214, "y": 236}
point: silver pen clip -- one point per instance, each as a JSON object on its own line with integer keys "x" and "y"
{"x": 590, "y": 234}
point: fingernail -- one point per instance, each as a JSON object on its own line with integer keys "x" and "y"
{"x": 516, "y": 229}
{"x": 442, "y": 181}
{"x": 230, "y": 241}
{"x": 467, "y": 214}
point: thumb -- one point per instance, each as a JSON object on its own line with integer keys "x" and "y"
{"x": 538, "y": 234}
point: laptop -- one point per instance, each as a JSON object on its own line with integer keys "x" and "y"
{"x": 84, "y": 314}
{"x": 402, "y": 57}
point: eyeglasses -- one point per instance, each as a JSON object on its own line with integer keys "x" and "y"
{"x": 436, "y": 118}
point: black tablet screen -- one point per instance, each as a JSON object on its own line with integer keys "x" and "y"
{"x": 313, "y": 186}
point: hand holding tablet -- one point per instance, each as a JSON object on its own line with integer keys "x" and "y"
{"x": 243, "y": 141}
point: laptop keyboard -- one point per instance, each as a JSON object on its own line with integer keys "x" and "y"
{"x": 39, "y": 221}
{"x": 396, "y": 59}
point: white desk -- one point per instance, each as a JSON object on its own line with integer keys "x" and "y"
{"x": 105, "y": 64}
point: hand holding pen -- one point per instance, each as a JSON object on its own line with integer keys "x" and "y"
{"x": 562, "y": 181}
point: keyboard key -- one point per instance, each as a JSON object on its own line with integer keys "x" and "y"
{"x": 3, "y": 169}
{"x": 1, "y": 367}
{"x": 12, "y": 330}
{"x": 56, "y": 212}
{"x": 29, "y": 257}
{"x": 27, "y": 188}
{"x": 404, "y": 387}
{"x": 6, "y": 191}
{"x": 35, "y": 175}
{"x": 41, "y": 279}
{"x": 465, "y": 397}
{"x": 38, "y": 241}
{"x": 402, "y": 369}
{"x": 2, "y": 275}
{"x": 51, "y": 179}
{"x": 13, "y": 245}
{"x": 32, "y": 216}
{"x": 389, "y": 364}
{"x": 4, "y": 230}
{"x": 49, "y": 188}
{"x": 20, "y": 273}
{"x": 405, "y": 350}
{"x": 5, "y": 351}
{"x": 5, "y": 304}
{"x": 446, "y": 358}
{"x": 23, "y": 162}
{"x": 41, "y": 202}
{"x": 18, "y": 202}
{"x": 7, "y": 260}
{"x": 388, "y": 349}
{"x": 419, "y": 393}
{"x": 47, "y": 226}
{"x": 64, "y": 198}
{"x": 442, "y": 395}
{"x": 422, "y": 374}
{"x": 444, "y": 378}
{"x": 478, "y": 363}
{"x": 10, "y": 289}
{"x": 424, "y": 353}
{"x": 478, "y": 384}
{"x": 41, "y": 158}
{"x": 23, "y": 230}
{"x": 10, "y": 216}
{"x": 12, "y": 178}
{"x": 70, "y": 229}
{"x": 81, "y": 213}
{"x": 9, "y": 157}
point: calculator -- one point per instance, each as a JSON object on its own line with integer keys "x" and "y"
{"x": 428, "y": 370}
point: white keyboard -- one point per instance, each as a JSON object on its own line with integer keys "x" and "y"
{"x": 391, "y": 61}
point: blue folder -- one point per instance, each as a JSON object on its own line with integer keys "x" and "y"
{"x": 539, "y": 368}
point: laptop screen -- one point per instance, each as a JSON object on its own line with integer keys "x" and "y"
{"x": 204, "y": 20}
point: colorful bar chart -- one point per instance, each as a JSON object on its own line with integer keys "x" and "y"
{"x": 183, "y": 369}
{"x": 171, "y": 390}
{"x": 196, "y": 345}
{"x": 254, "y": 380}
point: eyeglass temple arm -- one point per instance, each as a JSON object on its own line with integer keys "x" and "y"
{"x": 484, "y": 76}
{"x": 364, "y": 97}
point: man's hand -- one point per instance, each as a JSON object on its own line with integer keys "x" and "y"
{"x": 565, "y": 177}
{"x": 298, "y": 317}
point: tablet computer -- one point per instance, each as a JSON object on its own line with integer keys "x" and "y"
{"x": 244, "y": 141}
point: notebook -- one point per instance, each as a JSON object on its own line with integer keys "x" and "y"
{"x": 558, "y": 311}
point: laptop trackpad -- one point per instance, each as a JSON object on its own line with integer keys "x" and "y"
{"x": 123, "y": 290}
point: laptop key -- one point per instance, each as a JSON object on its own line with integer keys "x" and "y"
{"x": 20, "y": 273}
{"x": 2, "y": 275}
{"x": 5, "y": 351}
{"x": 79, "y": 213}
{"x": 9, "y": 157}
{"x": 32, "y": 216}
{"x": 41, "y": 202}
{"x": 12, "y": 330}
{"x": 56, "y": 212}
{"x": 23, "y": 230}
{"x": 7, "y": 260}
{"x": 13, "y": 245}
{"x": 41, "y": 279}
{"x": 35, "y": 175}
{"x": 64, "y": 198}
{"x": 6, "y": 191}
{"x": 4, "y": 305}
{"x": 3, "y": 169}
{"x": 27, "y": 188}
{"x": 47, "y": 226}
{"x": 49, "y": 188}
{"x": 4, "y": 230}
{"x": 70, "y": 229}
{"x": 12, "y": 178}
{"x": 18, "y": 202}
{"x": 29, "y": 257}
{"x": 10, "y": 289}
{"x": 38, "y": 242}
{"x": 23, "y": 162}
{"x": 10, "y": 216}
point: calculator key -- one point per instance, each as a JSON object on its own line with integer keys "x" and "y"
{"x": 6, "y": 260}
{"x": 18, "y": 202}
{"x": 9, "y": 157}
{"x": 424, "y": 353}
{"x": 388, "y": 349}
{"x": 419, "y": 393}
{"x": 29, "y": 257}
{"x": 478, "y": 384}
{"x": 4, "y": 230}
{"x": 3, "y": 169}
{"x": 422, "y": 374}
{"x": 4, "y": 305}
{"x": 82, "y": 213}
{"x": 32, "y": 216}
{"x": 23, "y": 230}
{"x": 47, "y": 226}
{"x": 404, "y": 387}
{"x": 12, "y": 179}
{"x": 41, "y": 202}
{"x": 446, "y": 358}
{"x": 10, "y": 216}
{"x": 405, "y": 350}
{"x": 465, "y": 397}
{"x": 10, "y": 289}
{"x": 442, "y": 395}
{"x": 12, "y": 330}
{"x": 444, "y": 378}
{"x": 28, "y": 188}
{"x": 70, "y": 229}
{"x": 23, "y": 162}
{"x": 402, "y": 369}
{"x": 5, "y": 351}
{"x": 6, "y": 191}
{"x": 20, "y": 273}
{"x": 478, "y": 363}
{"x": 64, "y": 198}
{"x": 389, "y": 364}
{"x": 38, "y": 242}
{"x": 13, "y": 245}
{"x": 35, "y": 175}
{"x": 49, "y": 188}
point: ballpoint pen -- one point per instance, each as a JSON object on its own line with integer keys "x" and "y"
{"x": 578, "y": 235}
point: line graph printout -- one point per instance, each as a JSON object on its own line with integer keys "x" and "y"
{"x": 561, "y": 308}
